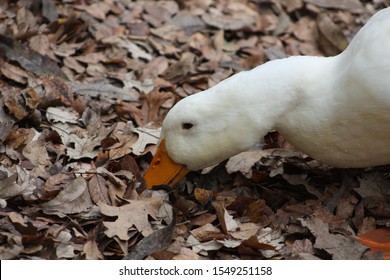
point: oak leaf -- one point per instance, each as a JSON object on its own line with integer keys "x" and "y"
{"x": 136, "y": 214}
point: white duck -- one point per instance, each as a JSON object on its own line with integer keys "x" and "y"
{"x": 334, "y": 109}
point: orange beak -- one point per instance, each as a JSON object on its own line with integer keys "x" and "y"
{"x": 163, "y": 170}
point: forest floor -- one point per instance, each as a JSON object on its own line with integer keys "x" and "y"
{"x": 84, "y": 88}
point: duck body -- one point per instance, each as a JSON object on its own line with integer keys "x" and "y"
{"x": 334, "y": 109}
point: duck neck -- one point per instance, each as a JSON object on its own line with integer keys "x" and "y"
{"x": 269, "y": 93}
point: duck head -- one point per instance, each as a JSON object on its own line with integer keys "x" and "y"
{"x": 202, "y": 130}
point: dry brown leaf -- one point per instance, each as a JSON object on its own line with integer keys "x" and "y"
{"x": 38, "y": 156}
{"x": 186, "y": 254}
{"x": 91, "y": 246}
{"x": 80, "y": 143}
{"x": 332, "y": 40}
{"x": 25, "y": 18}
{"x": 135, "y": 51}
{"x": 56, "y": 92}
{"x": 146, "y": 136}
{"x": 17, "y": 218}
{"x": 66, "y": 248}
{"x": 18, "y": 137}
{"x": 201, "y": 43}
{"x": 301, "y": 179}
{"x": 190, "y": 23}
{"x": 11, "y": 246}
{"x": 73, "y": 64}
{"x": 155, "y": 68}
{"x": 116, "y": 187}
{"x": 98, "y": 189}
{"x": 293, "y": 5}
{"x": 339, "y": 246}
{"x": 40, "y": 43}
{"x": 226, "y": 220}
{"x": 151, "y": 109}
{"x": 346, "y": 207}
{"x": 74, "y": 198}
{"x": 305, "y": 29}
{"x": 91, "y": 251}
{"x": 132, "y": 140}
{"x": 98, "y": 10}
{"x": 203, "y": 195}
{"x": 207, "y": 232}
{"x": 158, "y": 241}
{"x": 203, "y": 248}
{"x": 303, "y": 249}
{"x": 62, "y": 114}
{"x": 29, "y": 59}
{"x": 252, "y": 246}
{"x": 6, "y": 123}
{"x": 159, "y": 12}
{"x": 373, "y": 184}
{"x": 256, "y": 211}
{"x": 49, "y": 10}
{"x": 337, "y": 4}
{"x": 235, "y": 17}
{"x": 244, "y": 162}
{"x": 204, "y": 219}
{"x": 135, "y": 214}
{"x": 245, "y": 231}
{"x": 368, "y": 224}
{"x": 273, "y": 158}
{"x": 16, "y": 181}
{"x": 14, "y": 73}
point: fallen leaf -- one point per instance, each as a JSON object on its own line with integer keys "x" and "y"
{"x": 62, "y": 114}
{"x": 157, "y": 241}
{"x": 8, "y": 188}
{"x": 226, "y": 220}
{"x": 303, "y": 249}
{"x": 203, "y": 195}
{"x": 339, "y": 246}
{"x": 29, "y": 59}
{"x": 186, "y": 254}
{"x": 332, "y": 40}
{"x": 11, "y": 246}
{"x": 337, "y": 4}
{"x": 134, "y": 50}
{"x": 245, "y": 231}
{"x": 98, "y": 189}
{"x": 133, "y": 214}
{"x": 237, "y": 16}
{"x": 14, "y": 73}
{"x": 244, "y": 162}
{"x": 98, "y": 10}
{"x": 40, "y": 43}
{"x": 74, "y": 198}
{"x": 203, "y": 248}
{"x": 91, "y": 250}
{"x": 373, "y": 184}
{"x": 204, "y": 219}
{"x": 146, "y": 136}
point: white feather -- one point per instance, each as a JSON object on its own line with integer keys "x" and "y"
{"x": 336, "y": 109}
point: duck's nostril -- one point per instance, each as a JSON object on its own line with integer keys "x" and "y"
{"x": 156, "y": 162}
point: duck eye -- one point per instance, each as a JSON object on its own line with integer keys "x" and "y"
{"x": 187, "y": 126}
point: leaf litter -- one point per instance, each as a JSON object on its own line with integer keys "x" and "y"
{"x": 84, "y": 88}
